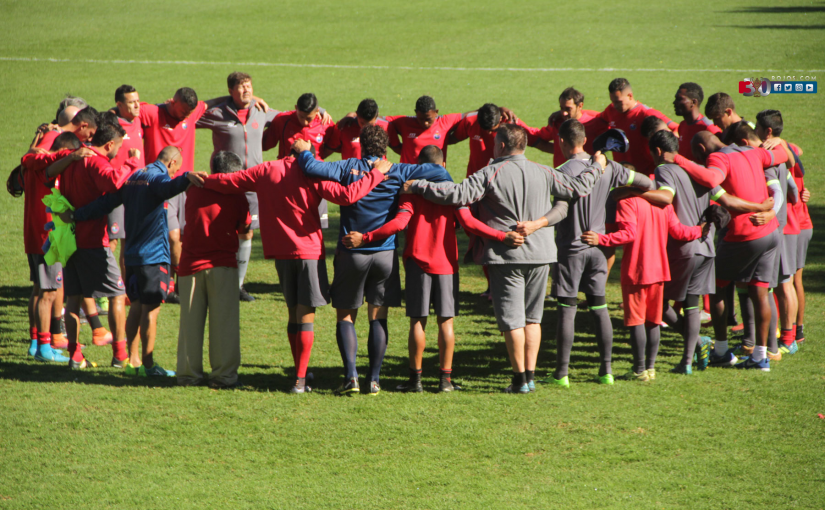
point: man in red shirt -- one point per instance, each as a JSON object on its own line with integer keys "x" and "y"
{"x": 291, "y": 234}
{"x": 431, "y": 263}
{"x": 571, "y": 106}
{"x": 306, "y": 122}
{"x": 91, "y": 271}
{"x": 408, "y": 135}
{"x": 348, "y": 130}
{"x": 644, "y": 230}
{"x": 686, "y": 105}
{"x": 747, "y": 253}
{"x": 627, "y": 114}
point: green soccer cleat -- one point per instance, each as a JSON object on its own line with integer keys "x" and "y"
{"x": 633, "y": 376}
{"x": 651, "y": 374}
{"x": 564, "y": 382}
{"x": 703, "y": 354}
{"x": 605, "y": 379}
{"x": 682, "y": 369}
{"x": 349, "y": 387}
{"x": 789, "y": 349}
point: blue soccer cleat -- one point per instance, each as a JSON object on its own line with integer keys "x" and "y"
{"x": 764, "y": 364}
{"x": 46, "y": 354}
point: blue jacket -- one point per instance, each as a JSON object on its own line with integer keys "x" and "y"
{"x": 381, "y": 204}
{"x": 142, "y": 195}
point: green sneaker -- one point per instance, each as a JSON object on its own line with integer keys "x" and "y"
{"x": 651, "y": 374}
{"x": 682, "y": 369}
{"x": 633, "y": 376}
{"x": 564, "y": 382}
{"x": 789, "y": 349}
{"x": 605, "y": 379}
{"x": 155, "y": 371}
{"x": 349, "y": 387}
{"x": 130, "y": 369}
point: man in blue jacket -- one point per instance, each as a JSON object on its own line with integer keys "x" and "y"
{"x": 372, "y": 269}
{"x": 147, "y": 250}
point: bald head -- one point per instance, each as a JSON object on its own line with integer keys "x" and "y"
{"x": 171, "y": 157}
{"x": 703, "y": 144}
{"x": 67, "y": 115}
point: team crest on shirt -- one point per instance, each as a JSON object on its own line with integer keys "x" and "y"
{"x": 59, "y": 277}
{"x": 254, "y": 125}
{"x": 120, "y": 283}
{"x": 115, "y": 228}
{"x": 437, "y": 135}
{"x": 319, "y": 138}
{"x": 633, "y": 127}
{"x": 183, "y": 125}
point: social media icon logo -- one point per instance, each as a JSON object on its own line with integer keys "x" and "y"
{"x": 788, "y": 87}
{"x": 799, "y": 87}
{"x": 777, "y": 87}
{"x": 809, "y": 87}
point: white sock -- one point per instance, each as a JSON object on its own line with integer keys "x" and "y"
{"x": 721, "y": 347}
{"x": 244, "y": 252}
{"x": 760, "y": 352}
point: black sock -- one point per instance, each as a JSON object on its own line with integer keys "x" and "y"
{"x": 800, "y": 334}
{"x": 348, "y": 345}
{"x": 529, "y": 375}
{"x": 415, "y": 375}
{"x": 94, "y": 321}
{"x": 447, "y": 375}
{"x": 519, "y": 380}
{"x": 377, "y": 346}
{"x": 54, "y": 326}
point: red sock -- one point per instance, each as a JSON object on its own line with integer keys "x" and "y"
{"x": 293, "y": 345}
{"x": 74, "y": 351}
{"x": 33, "y": 332}
{"x": 119, "y": 350}
{"x": 304, "y": 344}
{"x": 794, "y": 331}
{"x": 787, "y": 336}
{"x": 44, "y": 338}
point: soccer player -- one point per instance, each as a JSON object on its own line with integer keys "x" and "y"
{"x": 511, "y": 191}
{"x": 371, "y": 269}
{"x": 652, "y": 124}
{"x": 47, "y": 280}
{"x": 804, "y": 239}
{"x": 431, "y": 265}
{"x": 208, "y": 275}
{"x": 147, "y": 250}
{"x": 581, "y": 267}
{"x": 722, "y": 111}
{"x": 91, "y": 271}
{"x": 238, "y": 126}
{"x": 644, "y": 229}
{"x": 291, "y": 233}
{"x": 571, "y": 106}
{"x": 83, "y": 124}
{"x": 747, "y": 253}
{"x": 348, "y": 130}
{"x": 686, "y": 104}
{"x": 408, "y": 135}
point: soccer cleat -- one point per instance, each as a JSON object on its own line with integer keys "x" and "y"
{"x": 102, "y": 305}
{"x": 763, "y": 365}
{"x": 633, "y": 376}
{"x": 774, "y": 356}
{"x": 788, "y": 349}
{"x": 605, "y": 379}
{"x": 564, "y": 382}
{"x": 300, "y": 386}
{"x": 350, "y": 386}
{"x": 59, "y": 341}
{"x": 411, "y": 386}
{"x": 81, "y": 365}
{"x": 33, "y": 347}
{"x": 703, "y": 354}
{"x": 531, "y": 385}
{"x": 101, "y": 337}
{"x": 246, "y": 296}
{"x": 651, "y": 374}
{"x": 155, "y": 371}
{"x": 173, "y": 298}
{"x": 120, "y": 363}
{"x": 446, "y": 385}
{"x": 739, "y": 327}
{"x": 46, "y": 354}
{"x": 722, "y": 360}
{"x": 682, "y": 369}
{"x": 524, "y": 389}
{"x": 130, "y": 369}
{"x": 742, "y": 351}
{"x": 375, "y": 389}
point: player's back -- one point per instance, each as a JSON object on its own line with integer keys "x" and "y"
{"x": 745, "y": 179}
{"x": 690, "y": 200}
{"x": 645, "y": 258}
{"x": 430, "y": 237}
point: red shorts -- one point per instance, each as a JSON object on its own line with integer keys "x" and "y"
{"x": 642, "y": 303}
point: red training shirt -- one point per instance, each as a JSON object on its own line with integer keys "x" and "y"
{"x": 132, "y": 140}
{"x": 688, "y": 130}
{"x": 160, "y": 130}
{"x": 413, "y": 137}
{"x": 482, "y": 142}
{"x": 349, "y": 138}
{"x": 800, "y": 208}
{"x": 593, "y": 127}
{"x": 630, "y": 122}
{"x": 285, "y": 129}
{"x": 34, "y": 210}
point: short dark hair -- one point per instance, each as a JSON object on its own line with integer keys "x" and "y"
{"x": 66, "y": 141}
{"x": 107, "y": 117}
{"x": 717, "y": 104}
{"x": 693, "y": 91}
{"x": 770, "y": 119}
{"x": 307, "y": 103}
{"x": 430, "y": 154}
{"x": 226, "y": 162}
{"x": 70, "y": 100}
{"x": 188, "y": 96}
{"x": 88, "y": 115}
{"x": 489, "y": 116}
{"x": 741, "y": 131}
{"x": 106, "y": 132}
{"x": 513, "y": 136}
{"x": 367, "y": 109}
{"x": 572, "y": 132}
{"x": 571, "y": 93}
{"x": 424, "y": 104}
{"x": 374, "y": 141}
{"x": 237, "y": 78}
{"x": 664, "y": 140}
{"x": 618, "y": 84}
{"x": 120, "y": 92}
{"x": 651, "y": 125}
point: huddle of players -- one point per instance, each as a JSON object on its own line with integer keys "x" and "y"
{"x": 515, "y": 244}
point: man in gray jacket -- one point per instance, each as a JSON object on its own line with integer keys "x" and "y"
{"x": 513, "y": 192}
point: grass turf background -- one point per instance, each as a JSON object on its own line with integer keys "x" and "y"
{"x": 98, "y": 439}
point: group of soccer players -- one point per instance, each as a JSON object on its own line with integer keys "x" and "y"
{"x": 699, "y": 207}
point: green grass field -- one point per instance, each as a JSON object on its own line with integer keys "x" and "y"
{"x": 99, "y": 439}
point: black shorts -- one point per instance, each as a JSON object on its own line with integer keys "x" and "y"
{"x": 147, "y": 284}
{"x": 748, "y": 261}
{"x": 92, "y": 273}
